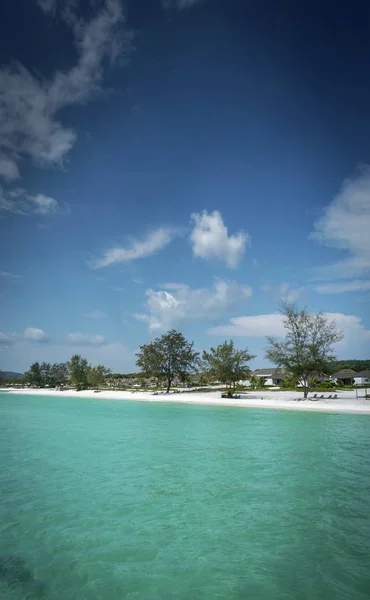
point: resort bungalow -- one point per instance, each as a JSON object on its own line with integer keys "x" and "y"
{"x": 363, "y": 377}
{"x": 345, "y": 376}
{"x": 272, "y": 375}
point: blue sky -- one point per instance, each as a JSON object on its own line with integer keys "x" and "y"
{"x": 182, "y": 164}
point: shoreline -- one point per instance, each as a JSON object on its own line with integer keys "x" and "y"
{"x": 345, "y": 403}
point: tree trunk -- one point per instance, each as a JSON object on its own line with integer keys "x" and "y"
{"x": 169, "y": 381}
{"x": 305, "y": 389}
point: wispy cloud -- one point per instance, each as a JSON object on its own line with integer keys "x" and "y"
{"x": 19, "y": 202}
{"x": 284, "y": 291}
{"x": 29, "y": 105}
{"x": 83, "y": 339}
{"x": 254, "y": 326}
{"x": 5, "y": 339}
{"x": 345, "y": 225}
{"x": 165, "y": 310}
{"x": 48, "y": 6}
{"x": 155, "y": 241}
{"x": 9, "y": 275}
{"x": 345, "y": 286}
{"x": 210, "y": 239}
{"x": 179, "y": 4}
{"x": 95, "y": 314}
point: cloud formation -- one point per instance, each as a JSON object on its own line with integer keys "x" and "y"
{"x": 95, "y": 314}
{"x": 83, "y": 339}
{"x": 155, "y": 241}
{"x": 17, "y": 201}
{"x": 165, "y": 310}
{"x": 345, "y": 225}
{"x": 355, "y": 333}
{"x": 345, "y": 286}
{"x": 210, "y": 239}
{"x": 32, "y": 334}
{"x": 179, "y": 4}
{"x": 29, "y": 105}
{"x": 4, "y": 338}
{"x": 9, "y": 275}
{"x": 284, "y": 292}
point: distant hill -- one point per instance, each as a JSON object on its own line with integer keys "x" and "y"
{"x": 12, "y": 374}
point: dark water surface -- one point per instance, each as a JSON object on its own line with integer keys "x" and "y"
{"x": 121, "y": 500}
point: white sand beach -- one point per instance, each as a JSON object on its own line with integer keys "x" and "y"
{"x": 346, "y": 402}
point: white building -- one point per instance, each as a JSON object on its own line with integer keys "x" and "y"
{"x": 362, "y": 378}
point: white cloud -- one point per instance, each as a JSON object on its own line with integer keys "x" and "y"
{"x": 210, "y": 239}
{"x": 254, "y": 326}
{"x": 172, "y": 287}
{"x": 32, "y": 334}
{"x": 356, "y": 336}
{"x": 48, "y": 6}
{"x": 180, "y": 4}
{"x": 156, "y": 240}
{"x": 284, "y": 292}
{"x": 83, "y": 339}
{"x": 29, "y": 105}
{"x": 5, "y": 339}
{"x": 166, "y": 310}
{"x": 346, "y": 286}
{"x": 95, "y": 314}
{"x": 9, "y": 275}
{"x": 345, "y": 225}
{"x": 21, "y": 203}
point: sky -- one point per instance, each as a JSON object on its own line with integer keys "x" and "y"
{"x": 181, "y": 164}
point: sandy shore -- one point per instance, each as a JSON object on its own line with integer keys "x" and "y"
{"x": 346, "y": 401}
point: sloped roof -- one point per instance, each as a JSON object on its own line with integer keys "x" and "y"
{"x": 264, "y": 372}
{"x": 271, "y": 372}
{"x": 365, "y": 373}
{"x": 344, "y": 374}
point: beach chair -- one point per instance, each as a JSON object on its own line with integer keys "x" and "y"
{"x": 330, "y": 397}
{"x": 335, "y": 396}
{"x": 321, "y": 396}
{"x": 314, "y": 396}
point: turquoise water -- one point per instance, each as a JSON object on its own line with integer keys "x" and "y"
{"x": 121, "y": 500}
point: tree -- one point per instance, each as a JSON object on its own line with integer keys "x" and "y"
{"x": 34, "y": 376}
{"x": 307, "y": 348}
{"x": 227, "y": 364}
{"x": 78, "y": 371}
{"x": 45, "y": 370}
{"x": 96, "y": 376}
{"x": 168, "y": 357}
{"x": 59, "y": 374}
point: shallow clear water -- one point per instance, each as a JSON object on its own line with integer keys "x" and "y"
{"x": 120, "y": 500}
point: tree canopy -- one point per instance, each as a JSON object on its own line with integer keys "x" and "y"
{"x": 307, "y": 349}
{"x": 227, "y": 364}
{"x": 167, "y": 357}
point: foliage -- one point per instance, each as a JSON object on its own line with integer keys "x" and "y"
{"x": 289, "y": 381}
{"x": 355, "y": 365}
{"x": 227, "y": 364}
{"x": 78, "y": 368}
{"x": 33, "y": 375}
{"x": 96, "y": 376}
{"x": 307, "y": 348}
{"x": 168, "y": 357}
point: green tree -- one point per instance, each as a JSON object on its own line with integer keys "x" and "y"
{"x": 45, "y": 370}
{"x": 59, "y": 374}
{"x": 34, "y": 376}
{"x": 96, "y": 376}
{"x": 168, "y": 357}
{"x": 307, "y": 348}
{"x": 227, "y": 364}
{"x": 78, "y": 368}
